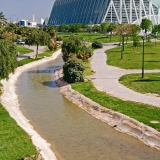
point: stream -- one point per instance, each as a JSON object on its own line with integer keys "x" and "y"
{"x": 72, "y": 133}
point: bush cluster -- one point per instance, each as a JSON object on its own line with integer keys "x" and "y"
{"x": 73, "y": 70}
{"x": 96, "y": 44}
{"x": 73, "y": 53}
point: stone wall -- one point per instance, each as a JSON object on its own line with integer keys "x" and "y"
{"x": 120, "y": 122}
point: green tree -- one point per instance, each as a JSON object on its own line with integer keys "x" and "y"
{"x": 156, "y": 28}
{"x": 146, "y": 25}
{"x": 63, "y": 27}
{"x": 74, "y": 28}
{"x": 3, "y": 20}
{"x": 24, "y": 31}
{"x": 134, "y": 32}
{"x": 38, "y": 37}
{"x": 104, "y": 27}
{"x": 73, "y": 70}
{"x": 9, "y": 36}
{"x": 111, "y": 27}
{"x": 83, "y": 27}
{"x": 96, "y": 28}
{"x": 70, "y": 47}
{"x": 8, "y": 60}
{"x": 51, "y": 30}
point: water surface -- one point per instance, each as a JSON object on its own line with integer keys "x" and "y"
{"x": 72, "y": 133}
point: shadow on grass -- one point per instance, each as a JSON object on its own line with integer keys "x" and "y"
{"x": 146, "y": 80}
{"x": 153, "y": 61}
{"x": 102, "y": 37}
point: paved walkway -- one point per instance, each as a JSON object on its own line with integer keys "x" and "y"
{"x": 106, "y": 79}
{"x": 40, "y": 50}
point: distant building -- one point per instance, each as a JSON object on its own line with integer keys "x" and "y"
{"x": 27, "y": 23}
{"x": 45, "y": 23}
{"x": 98, "y": 11}
{"x": 23, "y": 22}
{"x": 42, "y": 21}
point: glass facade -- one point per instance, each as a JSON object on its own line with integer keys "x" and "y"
{"x": 98, "y": 11}
{"x": 78, "y": 11}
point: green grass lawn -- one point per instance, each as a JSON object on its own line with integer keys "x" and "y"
{"x": 47, "y": 53}
{"x": 104, "y": 38}
{"x": 149, "y": 84}
{"x": 23, "y": 50}
{"x": 132, "y": 59}
{"x": 88, "y": 70}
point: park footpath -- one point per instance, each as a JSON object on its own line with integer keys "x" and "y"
{"x": 31, "y": 54}
{"x": 106, "y": 79}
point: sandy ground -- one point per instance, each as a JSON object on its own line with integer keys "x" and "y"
{"x": 9, "y": 100}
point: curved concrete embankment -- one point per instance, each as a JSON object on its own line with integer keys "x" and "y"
{"x": 9, "y": 100}
{"x": 120, "y": 122}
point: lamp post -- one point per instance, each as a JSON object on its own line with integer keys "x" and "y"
{"x": 143, "y": 38}
{"x": 122, "y": 49}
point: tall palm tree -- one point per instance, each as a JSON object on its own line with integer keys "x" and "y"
{"x": 2, "y": 18}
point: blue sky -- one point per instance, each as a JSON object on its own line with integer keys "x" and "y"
{"x": 24, "y": 9}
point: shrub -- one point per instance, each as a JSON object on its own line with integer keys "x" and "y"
{"x": 70, "y": 47}
{"x": 96, "y": 44}
{"x": 59, "y": 38}
{"x": 73, "y": 70}
{"x": 89, "y": 52}
{"x": 52, "y": 45}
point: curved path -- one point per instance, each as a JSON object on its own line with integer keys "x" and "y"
{"x": 106, "y": 79}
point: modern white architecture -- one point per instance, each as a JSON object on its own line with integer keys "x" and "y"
{"x": 98, "y": 11}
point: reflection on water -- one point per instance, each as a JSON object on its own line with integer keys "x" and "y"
{"x": 72, "y": 133}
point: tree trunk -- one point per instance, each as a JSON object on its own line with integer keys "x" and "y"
{"x": 37, "y": 51}
{"x": 110, "y": 36}
{"x": 127, "y": 40}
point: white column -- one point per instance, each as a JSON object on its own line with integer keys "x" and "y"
{"x": 111, "y": 12}
{"x": 130, "y": 11}
{"x": 120, "y": 11}
{"x": 150, "y": 9}
{"x": 140, "y": 11}
{"x": 158, "y": 15}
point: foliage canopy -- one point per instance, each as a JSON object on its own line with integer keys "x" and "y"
{"x": 8, "y": 61}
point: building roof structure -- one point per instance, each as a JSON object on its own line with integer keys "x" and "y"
{"x": 98, "y": 11}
